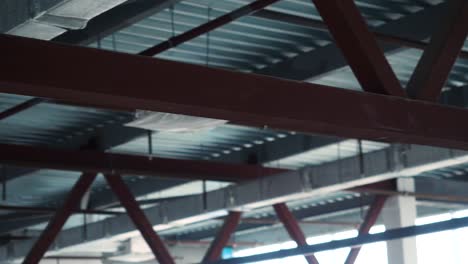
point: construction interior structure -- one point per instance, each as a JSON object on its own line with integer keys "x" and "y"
{"x": 184, "y": 131}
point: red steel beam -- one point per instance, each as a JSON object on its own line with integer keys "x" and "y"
{"x": 57, "y": 222}
{"x": 122, "y": 81}
{"x": 222, "y": 238}
{"x": 293, "y": 228}
{"x": 168, "y": 44}
{"x": 359, "y": 46}
{"x": 435, "y": 65}
{"x": 95, "y": 161}
{"x": 370, "y": 219}
{"x": 207, "y": 27}
{"x": 138, "y": 217}
{"x": 318, "y": 24}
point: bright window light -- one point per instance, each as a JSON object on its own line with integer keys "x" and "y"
{"x": 436, "y": 248}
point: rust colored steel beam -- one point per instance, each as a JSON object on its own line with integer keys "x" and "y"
{"x": 138, "y": 217}
{"x": 370, "y": 219}
{"x": 35, "y": 68}
{"x": 222, "y": 238}
{"x": 207, "y": 27}
{"x": 293, "y": 228}
{"x": 170, "y": 43}
{"x": 319, "y": 25}
{"x": 95, "y": 161}
{"x": 434, "y": 67}
{"x": 57, "y": 222}
{"x": 359, "y": 46}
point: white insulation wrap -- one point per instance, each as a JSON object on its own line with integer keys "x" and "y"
{"x": 68, "y": 14}
{"x": 166, "y": 122}
{"x": 75, "y": 14}
{"x": 33, "y": 29}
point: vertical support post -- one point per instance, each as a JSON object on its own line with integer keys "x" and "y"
{"x": 222, "y": 238}
{"x": 400, "y": 211}
{"x": 138, "y": 217}
{"x": 57, "y": 222}
{"x": 293, "y": 228}
{"x": 370, "y": 219}
{"x": 438, "y": 58}
{"x": 359, "y": 46}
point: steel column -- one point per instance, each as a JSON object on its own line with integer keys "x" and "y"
{"x": 222, "y": 238}
{"x": 207, "y": 27}
{"x": 139, "y": 219}
{"x": 95, "y": 161}
{"x": 435, "y": 65}
{"x": 370, "y": 219}
{"x": 58, "y": 220}
{"x": 35, "y": 68}
{"x": 293, "y": 228}
{"x": 359, "y": 46}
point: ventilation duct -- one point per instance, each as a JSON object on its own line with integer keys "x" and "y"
{"x": 75, "y": 14}
{"x": 33, "y": 29}
{"x": 69, "y": 14}
{"x": 166, "y": 122}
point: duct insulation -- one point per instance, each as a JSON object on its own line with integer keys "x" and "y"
{"x": 166, "y": 122}
{"x": 69, "y": 14}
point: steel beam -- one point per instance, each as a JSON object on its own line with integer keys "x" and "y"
{"x": 20, "y": 107}
{"x": 161, "y": 47}
{"x": 113, "y": 20}
{"x": 322, "y": 61}
{"x": 58, "y": 221}
{"x": 95, "y": 161}
{"x": 293, "y": 228}
{"x": 139, "y": 219}
{"x": 359, "y": 46}
{"x": 426, "y": 189}
{"x": 222, "y": 238}
{"x": 35, "y": 68}
{"x": 384, "y": 37}
{"x": 435, "y": 65}
{"x": 391, "y": 234}
{"x": 48, "y": 210}
{"x": 281, "y": 148}
{"x": 207, "y": 27}
{"x": 291, "y": 186}
{"x": 316, "y": 215}
{"x": 370, "y": 219}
